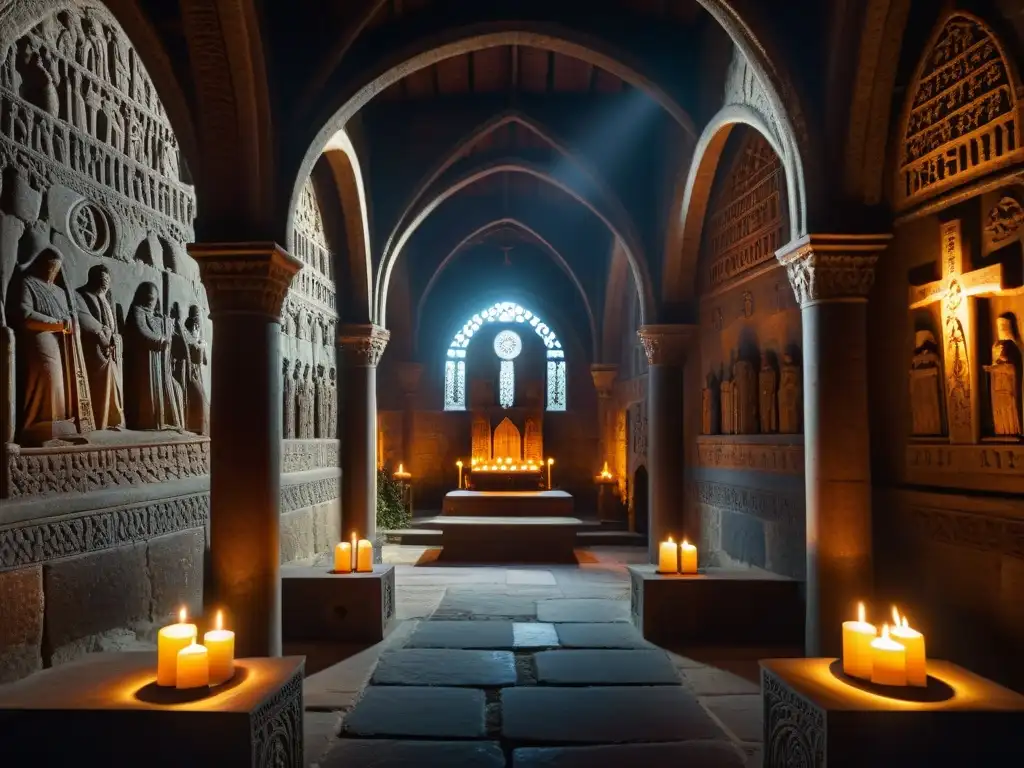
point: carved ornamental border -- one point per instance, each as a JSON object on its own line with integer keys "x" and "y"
{"x": 993, "y": 466}
{"x": 785, "y": 459}
{"x": 986, "y": 533}
{"x": 306, "y": 455}
{"x": 769, "y": 506}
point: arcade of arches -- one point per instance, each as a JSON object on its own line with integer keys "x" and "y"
{"x": 768, "y": 264}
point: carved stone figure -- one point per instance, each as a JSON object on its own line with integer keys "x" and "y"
{"x": 332, "y": 404}
{"x": 790, "y": 405}
{"x": 7, "y": 389}
{"x": 189, "y": 354}
{"x": 481, "y": 438}
{"x": 925, "y": 386}
{"x": 1004, "y": 380}
{"x": 744, "y": 397}
{"x": 304, "y": 405}
{"x": 297, "y": 399}
{"x": 320, "y": 402}
{"x": 45, "y": 354}
{"x": 288, "y": 411}
{"x": 151, "y": 403}
{"x": 710, "y": 409}
{"x": 768, "y": 389}
{"x": 533, "y": 448}
{"x": 726, "y": 390}
{"x": 103, "y": 350}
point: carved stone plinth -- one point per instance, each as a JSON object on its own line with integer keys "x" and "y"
{"x": 112, "y": 713}
{"x": 733, "y": 608}
{"x": 812, "y": 719}
{"x": 318, "y": 605}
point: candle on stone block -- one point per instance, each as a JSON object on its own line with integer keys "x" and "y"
{"x": 220, "y": 645}
{"x": 355, "y": 542}
{"x": 364, "y": 556}
{"x": 857, "y": 637}
{"x": 668, "y": 557}
{"x": 888, "y": 660}
{"x": 343, "y": 557}
{"x": 193, "y": 666}
{"x": 459, "y": 465}
{"x": 913, "y": 641}
{"x": 169, "y": 641}
{"x": 687, "y": 557}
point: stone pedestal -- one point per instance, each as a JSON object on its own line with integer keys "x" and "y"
{"x": 734, "y": 608}
{"x": 814, "y": 719}
{"x": 831, "y": 277}
{"x": 609, "y": 510}
{"x": 322, "y": 606}
{"x": 110, "y": 712}
{"x": 360, "y": 347}
{"x": 246, "y": 284}
{"x": 665, "y": 346}
{"x": 507, "y": 540}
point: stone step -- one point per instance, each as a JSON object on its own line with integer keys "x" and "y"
{"x": 424, "y": 713}
{"x": 389, "y": 753}
{"x": 445, "y": 667}
{"x": 605, "y": 667}
{"x": 698, "y": 754}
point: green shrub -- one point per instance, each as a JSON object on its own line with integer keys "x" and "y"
{"x": 392, "y": 513}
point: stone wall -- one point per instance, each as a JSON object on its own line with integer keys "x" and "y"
{"x": 745, "y": 474}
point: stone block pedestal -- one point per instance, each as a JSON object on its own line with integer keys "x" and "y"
{"x": 107, "y": 710}
{"x": 815, "y": 719}
{"x": 317, "y": 605}
{"x": 718, "y": 606}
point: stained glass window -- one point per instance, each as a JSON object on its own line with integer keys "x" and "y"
{"x": 507, "y": 346}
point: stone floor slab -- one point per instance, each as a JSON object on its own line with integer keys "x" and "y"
{"x": 533, "y": 578}
{"x": 318, "y": 729}
{"x": 445, "y": 667}
{"x": 529, "y": 635}
{"x": 696, "y": 754}
{"x": 605, "y": 635}
{"x": 741, "y": 715}
{"x": 486, "y": 603}
{"x": 605, "y": 667}
{"x": 433, "y": 713}
{"x": 479, "y": 635}
{"x": 709, "y": 681}
{"x": 387, "y": 753}
{"x": 582, "y": 610}
{"x": 590, "y": 715}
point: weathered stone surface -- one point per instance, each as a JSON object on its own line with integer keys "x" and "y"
{"x": 385, "y": 753}
{"x": 741, "y": 715}
{"x": 319, "y": 729}
{"x": 533, "y": 578}
{"x": 298, "y": 534}
{"x": 417, "y": 602}
{"x": 709, "y": 681}
{"x": 435, "y": 713}
{"x": 510, "y": 604}
{"x": 176, "y": 573}
{"x": 606, "y": 635}
{"x": 582, "y": 610}
{"x": 21, "y": 623}
{"x": 463, "y": 634}
{"x": 743, "y": 538}
{"x": 590, "y": 715}
{"x": 605, "y": 667}
{"x": 91, "y": 594}
{"x": 447, "y": 667}
{"x": 696, "y": 754}
{"x": 528, "y": 635}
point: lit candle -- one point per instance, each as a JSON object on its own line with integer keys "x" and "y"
{"x": 364, "y": 556}
{"x": 888, "y": 660}
{"x": 459, "y": 465}
{"x": 857, "y": 637}
{"x": 220, "y": 644}
{"x": 668, "y": 557}
{"x": 355, "y": 540}
{"x": 913, "y": 641}
{"x": 169, "y": 641}
{"x": 550, "y": 462}
{"x": 343, "y": 557}
{"x": 193, "y": 666}
{"x": 688, "y": 557}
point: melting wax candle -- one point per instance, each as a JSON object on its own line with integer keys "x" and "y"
{"x": 364, "y": 556}
{"x": 888, "y": 660}
{"x": 220, "y": 645}
{"x": 913, "y": 641}
{"x": 668, "y": 557}
{"x": 343, "y": 557}
{"x": 169, "y": 641}
{"x": 857, "y": 637}
{"x": 687, "y": 557}
{"x": 193, "y": 666}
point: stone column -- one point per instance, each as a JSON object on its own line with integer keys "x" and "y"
{"x": 831, "y": 277}
{"x": 246, "y": 285}
{"x": 409, "y": 375}
{"x": 360, "y": 347}
{"x": 604, "y": 380}
{"x": 666, "y": 347}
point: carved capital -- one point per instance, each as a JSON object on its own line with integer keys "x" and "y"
{"x": 245, "y": 278}
{"x": 604, "y": 378}
{"x": 362, "y": 345}
{"x": 409, "y": 375}
{"x": 666, "y": 344}
{"x": 832, "y": 267}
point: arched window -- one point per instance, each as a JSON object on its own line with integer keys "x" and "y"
{"x": 507, "y": 346}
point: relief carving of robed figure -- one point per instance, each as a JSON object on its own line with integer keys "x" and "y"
{"x": 151, "y": 402}
{"x": 1004, "y": 380}
{"x": 102, "y": 349}
{"x": 189, "y": 353}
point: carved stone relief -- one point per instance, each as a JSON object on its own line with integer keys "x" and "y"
{"x": 791, "y": 404}
{"x": 1005, "y": 380}
{"x": 1004, "y": 219}
{"x": 926, "y": 386}
{"x": 962, "y": 117}
{"x": 786, "y": 459}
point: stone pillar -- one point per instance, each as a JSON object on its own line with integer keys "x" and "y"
{"x": 831, "y": 277}
{"x": 604, "y": 380}
{"x": 666, "y": 347}
{"x": 7, "y": 409}
{"x": 409, "y": 375}
{"x": 246, "y": 285}
{"x": 360, "y": 347}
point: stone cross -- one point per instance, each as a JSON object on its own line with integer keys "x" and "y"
{"x": 956, "y": 290}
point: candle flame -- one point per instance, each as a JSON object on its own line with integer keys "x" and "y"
{"x": 354, "y": 539}
{"x": 550, "y": 462}
{"x": 401, "y": 468}
{"x": 905, "y": 624}
{"x": 220, "y": 619}
{"x": 885, "y": 631}
{"x": 670, "y": 540}
{"x": 860, "y": 613}
{"x": 896, "y": 617}
{"x": 182, "y": 615}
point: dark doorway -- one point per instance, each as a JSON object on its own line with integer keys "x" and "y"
{"x": 640, "y": 510}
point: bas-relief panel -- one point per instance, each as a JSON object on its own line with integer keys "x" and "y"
{"x": 102, "y": 316}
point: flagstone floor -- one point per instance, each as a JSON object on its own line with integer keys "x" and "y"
{"x": 526, "y": 667}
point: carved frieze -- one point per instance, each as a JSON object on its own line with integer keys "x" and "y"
{"x": 1004, "y": 219}
{"x": 246, "y": 277}
{"x": 984, "y": 466}
{"x": 747, "y": 220}
{"x": 718, "y": 454}
{"x": 770, "y": 506}
{"x": 794, "y": 728}
{"x": 832, "y": 267}
{"x": 998, "y": 535}
{"x": 305, "y": 455}
{"x": 962, "y": 117}
{"x": 363, "y": 345}
{"x": 666, "y": 344}
{"x": 277, "y": 727}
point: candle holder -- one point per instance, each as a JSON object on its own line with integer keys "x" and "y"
{"x": 151, "y": 693}
{"x": 935, "y": 691}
